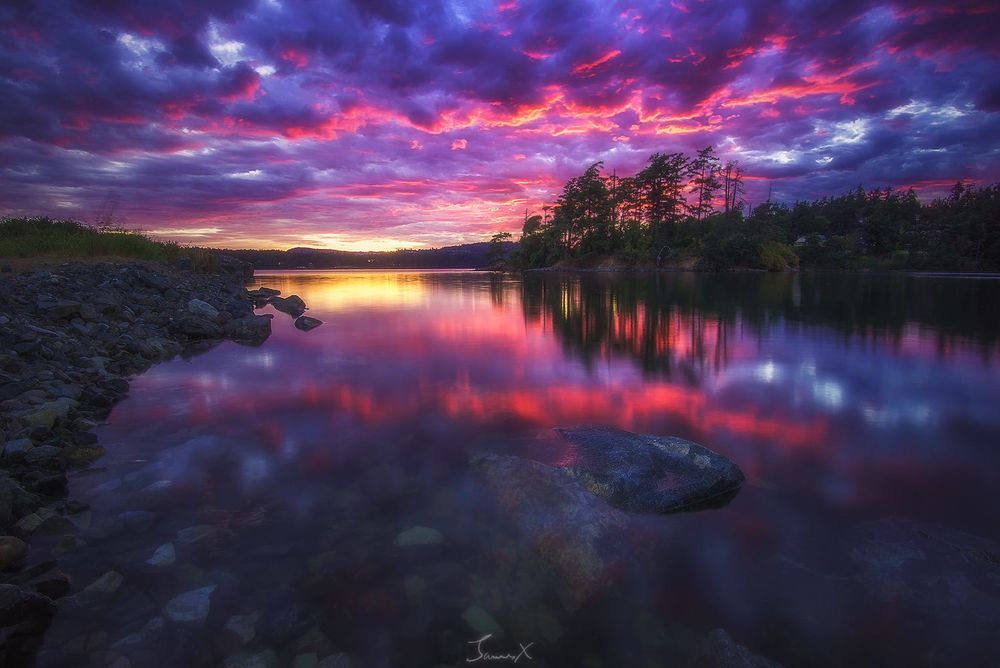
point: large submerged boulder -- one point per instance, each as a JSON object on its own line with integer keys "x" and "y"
{"x": 648, "y": 474}
{"x": 566, "y": 538}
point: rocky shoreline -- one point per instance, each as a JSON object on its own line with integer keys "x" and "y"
{"x": 71, "y": 337}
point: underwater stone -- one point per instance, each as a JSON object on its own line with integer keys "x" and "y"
{"x": 419, "y": 535}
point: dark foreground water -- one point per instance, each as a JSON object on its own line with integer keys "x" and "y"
{"x": 317, "y": 500}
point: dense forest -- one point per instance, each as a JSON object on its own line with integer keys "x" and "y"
{"x": 691, "y": 212}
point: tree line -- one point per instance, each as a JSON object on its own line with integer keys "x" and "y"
{"x": 691, "y": 212}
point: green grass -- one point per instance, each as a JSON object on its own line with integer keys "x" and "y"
{"x": 44, "y": 237}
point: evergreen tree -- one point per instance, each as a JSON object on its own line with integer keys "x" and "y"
{"x": 705, "y": 182}
{"x": 661, "y": 183}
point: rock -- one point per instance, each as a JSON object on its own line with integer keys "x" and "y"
{"x": 88, "y": 312}
{"x": 154, "y": 280}
{"x": 202, "y": 309}
{"x": 481, "y": 621}
{"x": 190, "y": 607}
{"x": 47, "y": 414}
{"x": 198, "y": 327}
{"x": 68, "y": 390}
{"x": 292, "y": 305}
{"x": 152, "y": 489}
{"x": 243, "y": 627}
{"x": 165, "y": 555}
{"x": 149, "y": 633}
{"x": 281, "y": 623}
{"x": 54, "y": 584}
{"x": 14, "y": 389}
{"x": 719, "y": 650}
{"x": 15, "y": 501}
{"x": 153, "y": 628}
{"x": 308, "y": 660}
{"x": 57, "y": 308}
{"x": 42, "y": 521}
{"x": 305, "y": 323}
{"x": 263, "y": 293}
{"x": 13, "y": 551}
{"x": 250, "y": 329}
{"x": 419, "y": 535}
{"x": 84, "y": 438}
{"x": 36, "y": 456}
{"x": 52, "y": 484}
{"x": 104, "y": 585}
{"x": 119, "y": 386}
{"x": 339, "y": 660}
{"x": 265, "y": 659}
{"x": 28, "y": 610}
{"x": 657, "y": 474}
{"x": 569, "y": 539}
{"x": 16, "y": 448}
{"x": 73, "y": 506}
{"x": 313, "y": 640}
{"x": 82, "y": 520}
{"x": 198, "y": 534}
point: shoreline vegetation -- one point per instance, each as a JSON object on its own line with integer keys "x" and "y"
{"x": 72, "y": 334}
{"x": 684, "y": 212}
{"x": 678, "y": 213}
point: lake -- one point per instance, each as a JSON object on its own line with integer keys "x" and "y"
{"x": 322, "y": 497}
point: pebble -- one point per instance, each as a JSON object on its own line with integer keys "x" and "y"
{"x": 243, "y": 627}
{"x": 165, "y": 555}
{"x": 106, "y": 584}
{"x": 203, "y": 309}
{"x": 17, "y": 447}
{"x": 265, "y": 659}
{"x": 339, "y": 660}
{"x": 42, "y": 453}
{"x": 197, "y": 534}
{"x": 309, "y": 660}
{"x": 419, "y": 535}
{"x": 481, "y": 621}
{"x": 13, "y": 551}
{"x": 190, "y": 607}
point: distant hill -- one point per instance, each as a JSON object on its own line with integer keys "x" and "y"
{"x": 466, "y": 256}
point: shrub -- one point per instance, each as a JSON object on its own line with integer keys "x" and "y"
{"x": 39, "y": 236}
{"x": 776, "y": 256}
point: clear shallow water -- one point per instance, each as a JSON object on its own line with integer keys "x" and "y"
{"x": 863, "y": 410}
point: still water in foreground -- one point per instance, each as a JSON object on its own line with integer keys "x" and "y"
{"x": 324, "y": 497}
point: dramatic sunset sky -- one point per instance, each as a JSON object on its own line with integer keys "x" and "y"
{"x": 388, "y": 123}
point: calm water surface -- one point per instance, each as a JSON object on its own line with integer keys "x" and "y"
{"x": 864, "y": 410}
